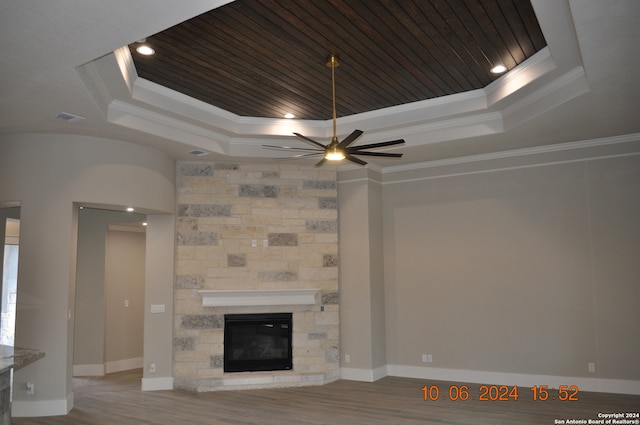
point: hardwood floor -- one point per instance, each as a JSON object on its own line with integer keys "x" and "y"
{"x": 117, "y": 399}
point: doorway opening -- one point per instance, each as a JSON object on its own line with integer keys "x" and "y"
{"x": 9, "y": 280}
{"x": 109, "y": 307}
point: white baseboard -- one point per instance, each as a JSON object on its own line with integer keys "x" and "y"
{"x": 122, "y": 365}
{"x": 157, "y": 384}
{"x": 365, "y": 375}
{"x": 32, "y": 409}
{"x": 617, "y": 386}
{"x": 88, "y": 370}
{"x": 109, "y": 367}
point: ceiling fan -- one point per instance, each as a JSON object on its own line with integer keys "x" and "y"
{"x": 338, "y": 150}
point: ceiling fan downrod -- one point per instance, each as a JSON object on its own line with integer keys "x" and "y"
{"x": 334, "y": 152}
{"x": 338, "y": 150}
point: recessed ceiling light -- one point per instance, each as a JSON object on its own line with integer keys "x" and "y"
{"x": 498, "y": 69}
{"x": 144, "y": 223}
{"x": 145, "y": 49}
{"x": 289, "y": 115}
{"x": 130, "y": 209}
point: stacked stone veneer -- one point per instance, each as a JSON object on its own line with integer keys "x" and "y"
{"x": 249, "y": 226}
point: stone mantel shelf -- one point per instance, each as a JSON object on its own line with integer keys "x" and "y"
{"x": 257, "y": 297}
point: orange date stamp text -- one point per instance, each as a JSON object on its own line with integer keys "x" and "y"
{"x": 499, "y": 393}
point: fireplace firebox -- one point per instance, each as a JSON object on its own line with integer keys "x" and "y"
{"x": 258, "y": 342}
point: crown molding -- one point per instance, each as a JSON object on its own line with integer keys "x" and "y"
{"x": 514, "y": 153}
{"x": 533, "y": 87}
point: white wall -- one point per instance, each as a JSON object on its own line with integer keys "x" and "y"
{"x": 48, "y": 175}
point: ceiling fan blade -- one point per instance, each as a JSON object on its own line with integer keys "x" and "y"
{"x": 389, "y": 155}
{"x": 313, "y": 142}
{"x": 350, "y": 139}
{"x": 377, "y": 145}
{"x": 322, "y": 161}
{"x": 302, "y": 155}
{"x": 292, "y": 149}
{"x": 354, "y": 159}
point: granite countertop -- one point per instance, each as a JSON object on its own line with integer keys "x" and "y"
{"x": 16, "y": 357}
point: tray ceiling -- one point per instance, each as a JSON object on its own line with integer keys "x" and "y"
{"x": 409, "y": 69}
{"x": 266, "y": 58}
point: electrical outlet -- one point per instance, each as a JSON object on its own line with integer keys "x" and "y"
{"x": 152, "y": 368}
{"x": 30, "y": 388}
{"x": 592, "y": 367}
{"x": 157, "y": 308}
{"x": 347, "y": 358}
{"x": 427, "y": 358}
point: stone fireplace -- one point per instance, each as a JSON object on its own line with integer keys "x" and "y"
{"x": 255, "y": 239}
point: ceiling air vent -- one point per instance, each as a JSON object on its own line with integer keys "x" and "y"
{"x": 199, "y": 153}
{"x": 65, "y": 116}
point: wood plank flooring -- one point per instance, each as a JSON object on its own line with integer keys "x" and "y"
{"x": 117, "y": 399}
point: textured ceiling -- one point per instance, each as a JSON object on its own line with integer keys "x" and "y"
{"x": 265, "y": 58}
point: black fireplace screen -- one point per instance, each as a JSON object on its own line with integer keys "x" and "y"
{"x": 257, "y": 342}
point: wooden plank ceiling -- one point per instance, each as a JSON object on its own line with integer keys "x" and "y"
{"x": 265, "y": 58}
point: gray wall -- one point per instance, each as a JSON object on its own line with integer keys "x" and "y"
{"x": 515, "y": 268}
{"x": 48, "y": 175}
{"x": 362, "y": 325}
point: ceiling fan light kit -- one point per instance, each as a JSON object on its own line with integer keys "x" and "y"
{"x": 338, "y": 150}
{"x": 334, "y": 154}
